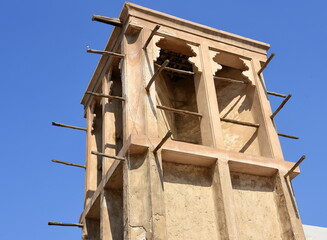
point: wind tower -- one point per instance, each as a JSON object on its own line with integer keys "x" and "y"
{"x": 181, "y": 141}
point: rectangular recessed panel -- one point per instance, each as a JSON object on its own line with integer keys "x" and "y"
{"x": 256, "y": 211}
{"x": 190, "y": 209}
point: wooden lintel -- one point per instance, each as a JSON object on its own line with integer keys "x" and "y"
{"x": 68, "y": 163}
{"x": 108, "y": 156}
{"x": 156, "y": 74}
{"x": 231, "y": 80}
{"x": 105, "y": 96}
{"x": 113, "y": 54}
{"x": 162, "y": 142}
{"x": 66, "y": 224}
{"x": 67, "y": 126}
{"x": 281, "y": 105}
{"x": 108, "y": 20}
{"x": 266, "y": 63}
{"x": 240, "y": 122}
{"x": 154, "y": 31}
{"x": 276, "y": 94}
{"x": 287, "y": 136}
{"x": 295, "y": 166}
{"x": 179, "y": 111}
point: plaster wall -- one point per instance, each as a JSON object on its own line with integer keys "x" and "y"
{"x": 190, "y": 209}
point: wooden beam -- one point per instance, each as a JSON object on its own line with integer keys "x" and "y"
{"x": 68, "y": 163}
{"x": 154, "y": 31}
{"x": 266, "y": 63}
{"x": 276, "y": 94}
{"x": 66, "y": 224}
{"x": 156, "y": 74}
{"x": 240, "y": 122}
{"x": 105, "y": 96}
{"x": 162, "y": 142}
{"x": 113, "y": 54}
{"x": 281, "y": 105}
{"x": 287, "y": 136}
{"x": 108, "y": 20}
{"x": 67, "y": 126}
{"x": 179, "y": 111}
{"x": 231, "y": 80}
{"x": 178, "y": 71}
{"x": 295, "y": 166}
{"x": 108, "y": 156}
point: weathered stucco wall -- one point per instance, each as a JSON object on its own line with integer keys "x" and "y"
{"x": 190, "y": 210}
{"x": 257, "y": 215}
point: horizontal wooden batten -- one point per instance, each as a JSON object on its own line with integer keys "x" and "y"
{"x": 66, "y": 224}
{"x": 113, "y": 54}
{"x": 68, "y": 163}
{"x": 107, "y": 20}
{"x": 231, "y": 80}
{"x": 179, "y": 111}
{"x": 106, "y": 96}
{"x": 240, "y": 122}
{"x": 67, "y": 126}
{"x": 108, "y": 156}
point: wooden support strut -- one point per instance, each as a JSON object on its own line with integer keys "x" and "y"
{"x": 231, "y": 80}
{"x": 266, "y": 63}
{"x": 105, "y": 96}
{"x": 177, "y": 70}
{"x": 240, "y": 122}
{"x": 108, "y": 20}
{"x": 154, "y": 31}
{"x": 108, "y": 156}
{"x": 68, "y": 163}
{"x": 276, "y": 94}
{"x": 295, "y": 166}
{"x": 162, "y": 142}
{"x": 281, "y": 105}
{"x": 179, "y": 111}
{"x": 287, "y": 136}
{"x": 156, "y": 74}
{"x": 66, "y": 224}
{"x": 113, "y": 54}
{"x": 67, "y": 126}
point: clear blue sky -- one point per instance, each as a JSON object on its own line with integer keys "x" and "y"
{"x": 44, "y": 71}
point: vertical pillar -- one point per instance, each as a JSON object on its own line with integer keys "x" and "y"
{"x": 158, "y": 212}
{"x": 223, "y": 193}
{"x": 207, "y": 102}
{"x": 137, "y": 198}
{"x": 133, "y": 84}
{"x": 266, "y": 111}
{"x": 91, "y": 160}
{"x": 291, "y": 207}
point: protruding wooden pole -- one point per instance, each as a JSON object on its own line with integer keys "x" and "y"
{"x": 108, "y": 20}
{"x": 108, "y": 156}
{"x": 66, "y": 224}
{"x": 156, "y": 74}
{"x": 231, "y": 80}
{"x": 281, "y": 105}
{"x": 287, "y": 136}
{"x": 68, "y": 163}
{"x": 179, "y": 111}
{"x": 67, "y": 126}
{"x": 277, "y": 94}
{"x": 162, "y": 142}
{"x": 106, "y": 96}
{"x": 154, "y": 31}
{"x": 295, "y": 166}
{"x": 177, "y": 70}
{"x": 105, "y": 53}
{"x": 240, "y": 122}
{"x": 266, "y": 63}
